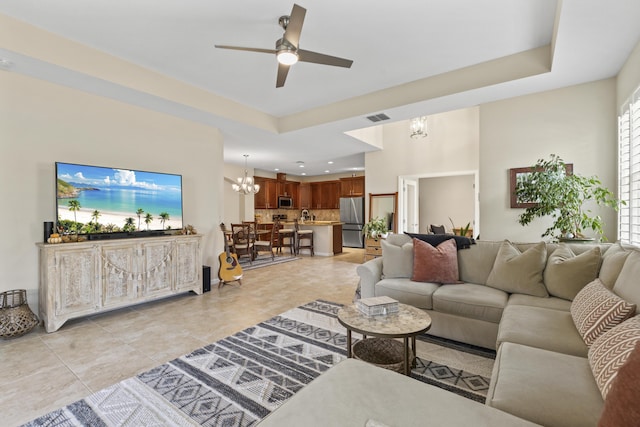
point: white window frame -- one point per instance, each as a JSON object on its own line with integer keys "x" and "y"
{"x": 629, "y": 170}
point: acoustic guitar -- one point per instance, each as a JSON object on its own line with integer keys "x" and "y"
{"x": 230, "y": 269}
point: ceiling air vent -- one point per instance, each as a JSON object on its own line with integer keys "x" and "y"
{"x": 378, "y": 117}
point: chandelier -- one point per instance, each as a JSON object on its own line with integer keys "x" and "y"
{"x": 418, "y": 127}
{"x": 246, "y": 184}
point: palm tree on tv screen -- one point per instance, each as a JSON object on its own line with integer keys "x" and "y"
{"x": 164, "y": 217}
{"x": 129, "y": 224}
{"x": 74, "y": 206}
{"x": 147, "y": 219}
{"x": 95, "y": 215}
{"x": 139, "y": 212}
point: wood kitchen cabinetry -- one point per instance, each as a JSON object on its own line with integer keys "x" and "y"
{"x": 79, "y": 279}
{"x": 325, "y": 195}
{"x": 270, "y": 189}
{"x": 305, "y": 195}
{"x": 267, "y": 197}
{"x": 352, "y": 186}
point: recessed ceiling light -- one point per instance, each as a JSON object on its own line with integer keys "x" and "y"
{"x": 276, "y": 169}
{"x": 303, "y": 173}
{"x": 301, "y": 166}
{"x": 330, "y": 162}
{"x": 327, "y": 171}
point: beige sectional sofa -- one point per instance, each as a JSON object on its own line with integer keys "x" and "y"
{"x": 542, "y": 372}
{"x": 515, "y": 298}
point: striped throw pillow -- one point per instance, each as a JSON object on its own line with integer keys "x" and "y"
{"x": 596, "y": 309}
{"x": 611, "y": 350}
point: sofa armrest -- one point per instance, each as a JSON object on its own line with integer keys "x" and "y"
{"x": 370, "y": 273}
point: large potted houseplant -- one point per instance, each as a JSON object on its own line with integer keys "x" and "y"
{"x": 562, "y": 196}
{"x": 375, "y": 228}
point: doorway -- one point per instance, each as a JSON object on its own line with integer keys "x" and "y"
{"x": 409, "y": 201}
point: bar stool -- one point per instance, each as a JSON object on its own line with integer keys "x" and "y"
{"x": 285, "y": 233}
{"x": 303, "y": 235}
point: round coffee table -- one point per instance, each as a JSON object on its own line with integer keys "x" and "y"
{"x": 408, "y": 322}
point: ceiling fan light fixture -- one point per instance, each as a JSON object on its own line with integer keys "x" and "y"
{"x": 287, "y": 57}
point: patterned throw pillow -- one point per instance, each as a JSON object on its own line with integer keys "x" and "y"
{"x": 596, "y": 309}
{"x": 611, "y": 350}
{"x": 621, "y": 407}
{"x": 435, "y": 265}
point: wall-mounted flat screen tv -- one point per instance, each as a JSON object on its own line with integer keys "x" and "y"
{"x": 96, "y": 200}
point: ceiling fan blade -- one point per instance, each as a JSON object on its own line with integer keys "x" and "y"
{"x": 320, "y": 58}
{"x": 283, "y": 70}
{"x": 249, "y": 49}
{"x": 294, "y": 27}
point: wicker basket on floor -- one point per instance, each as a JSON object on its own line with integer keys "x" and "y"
{"x": 383, "y": 352}
{"x": 16, "y": 318}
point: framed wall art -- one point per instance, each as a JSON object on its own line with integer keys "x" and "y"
{"x": 516, "y": 174}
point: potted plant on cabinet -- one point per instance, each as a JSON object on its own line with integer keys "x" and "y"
{"x": 375, "y": 228}
{"x": 562, "y": 196}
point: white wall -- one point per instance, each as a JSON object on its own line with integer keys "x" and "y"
{"x": 41, "y": 123}
{"x": 237, "y": 207}
{"x": 447, "y": 197}
{"x": 629, "y": 76}
{"x": 577, "y": 123}
{"x": 452, "y": 144}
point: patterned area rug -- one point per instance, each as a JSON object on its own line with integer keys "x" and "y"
{"x": 265, "y": 261}
{"x": 240, "y": 379}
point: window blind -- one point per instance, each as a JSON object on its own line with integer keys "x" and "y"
{"x": 629, "y": 170}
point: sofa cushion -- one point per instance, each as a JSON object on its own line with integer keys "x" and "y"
{"x": 435, "y": 264}
{"x": 531, "y": 301}
{"x": 475, "y": 263}
{"x": 626, "y": 284}
{"x": 548, "y": 388}
{"x": 544, "y": 328}
{"x": 596, "y": 309}
{"x": 353, "y": 392}
{"x": 612, "y": 262}
{"x": 519, "y": 272}
{"x": 470, "y": 300}
{"x": 611, "y": 350}
{"x": 621, "y": 405}
{"x": 397, "y": 261}
{"x": 565, "y": 273}
{"x": 405, "y": 291}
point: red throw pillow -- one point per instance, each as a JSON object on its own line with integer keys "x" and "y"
{"x": 621, "y": 405}
{"x": 435, "y": 264}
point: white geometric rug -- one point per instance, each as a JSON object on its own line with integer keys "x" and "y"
{"x": 240, "y": 379}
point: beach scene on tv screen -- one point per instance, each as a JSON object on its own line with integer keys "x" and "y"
{"x": 92, "y": 199}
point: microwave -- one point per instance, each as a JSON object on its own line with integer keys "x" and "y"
{"x": 285, "y": 202}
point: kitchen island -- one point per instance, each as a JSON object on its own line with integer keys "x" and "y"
{"x": 327, "y": 236}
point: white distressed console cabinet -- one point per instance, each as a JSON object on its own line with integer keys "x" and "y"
{"x": 78, "y": 279}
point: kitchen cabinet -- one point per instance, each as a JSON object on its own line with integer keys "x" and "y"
{"x": 289, "y": 189}
{"x": 305, "y": 195}
{"x": 325, "y": 195}
{"x": 267, "y": 197}
{"x": 352, "y": 186}
{"x": 79, "y": 279}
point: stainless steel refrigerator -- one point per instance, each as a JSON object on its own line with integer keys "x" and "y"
{"x": 352, "y": 217}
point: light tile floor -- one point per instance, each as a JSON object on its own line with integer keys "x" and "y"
{"x": 40, "y": 372}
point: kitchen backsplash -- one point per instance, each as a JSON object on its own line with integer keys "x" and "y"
{"x": 266, "y": 215}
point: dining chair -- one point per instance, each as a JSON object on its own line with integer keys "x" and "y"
{"x": 243, "y": 241}
{"x": 265, "y": 245}
{"x": 228, "y": 236}
{"x": 286, "y": 238}
{"x": 303, "y": 236}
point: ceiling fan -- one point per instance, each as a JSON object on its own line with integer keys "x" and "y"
{"x": 287, "y": 50}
